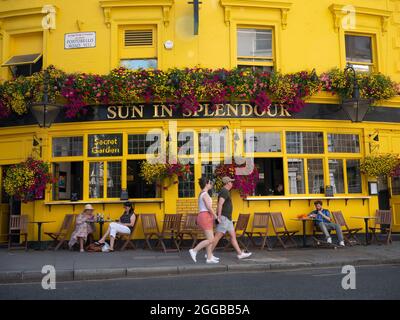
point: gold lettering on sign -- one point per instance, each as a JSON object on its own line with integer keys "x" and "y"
{"x": 257, "y": 113}
{"x": 247, "y": 110}
{"x": 270, "y": 113}
{"x": 206, "y": 114}
{"x": 219, "y": 111}
{"x": 123, "y": 116}
{"x": 285, "y": 112}
{"x": 137, "y": 110}
{"x": 233, "y": 109}
{"x": 111, "y": 114}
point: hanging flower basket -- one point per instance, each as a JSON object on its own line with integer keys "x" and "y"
{"x": 380, "y": 165}
{"x": 27, "y": 180}
{"x": 159, "y": 172}
{"x": 245, "y": 183}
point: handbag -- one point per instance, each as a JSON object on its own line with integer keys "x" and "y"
{"x": 93, "y": 248}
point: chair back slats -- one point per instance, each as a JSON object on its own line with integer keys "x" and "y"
{"x": 67, "y": 223}
{"x": 24, "y": 224}
{"x": 383, "y": 217}
{"x": 189, "y": 222}
{"x": 172, "y": 223}
{"x": 339, "y": 219}
{"x": 277, "y": 220}
{"x": 14, "y": 222}
{"x": 149, "y": 223}
{"x": 242, "y": 222}
{"x": 260, "y": 220}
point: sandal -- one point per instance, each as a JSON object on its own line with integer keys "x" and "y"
{"x": 99, "y": 243}
{"x": 111, "y": 250}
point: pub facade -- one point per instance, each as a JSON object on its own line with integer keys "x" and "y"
{"x": 312, "y": 153}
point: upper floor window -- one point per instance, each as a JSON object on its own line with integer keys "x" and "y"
{"x": 359, "y": 53}
{"x": 254, "y": 49}
{"x": 138, "y": 48}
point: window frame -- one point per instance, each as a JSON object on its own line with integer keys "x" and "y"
{"x": 250, "y": 64}
{"x": 374, "y": 65}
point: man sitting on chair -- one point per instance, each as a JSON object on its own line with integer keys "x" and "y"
{"x": 322, "y": 219}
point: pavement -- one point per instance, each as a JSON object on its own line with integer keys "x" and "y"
{"x": 19, "y": 266}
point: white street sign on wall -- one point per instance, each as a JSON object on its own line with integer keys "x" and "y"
{"x": 80, "y": 40}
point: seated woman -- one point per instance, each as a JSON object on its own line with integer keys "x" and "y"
{"x": 125, "y": 225}
{"x": 83, "y": 227}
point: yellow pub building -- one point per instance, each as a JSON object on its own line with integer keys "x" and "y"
{"x": 308, "y": 152}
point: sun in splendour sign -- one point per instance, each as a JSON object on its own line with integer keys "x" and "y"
{"x": 80, "y": 40}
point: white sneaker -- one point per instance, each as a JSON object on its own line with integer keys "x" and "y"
{"x": 212, "y": 260}
{"x": 341, "y": 243}
{"x": 193, "y": 254}
{"x": 214, "y": 257}
{"x": 329, "y": 240}
{"x": 244, "y": 255}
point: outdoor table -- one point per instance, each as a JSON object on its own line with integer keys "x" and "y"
{"x": 101, "y": 223}
{"x": 304, "y": 220}
{"x": 39, "y": 224}
{"x": 366, "y": 220}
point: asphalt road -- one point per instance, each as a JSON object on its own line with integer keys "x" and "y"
{"x": 372, "y": 282}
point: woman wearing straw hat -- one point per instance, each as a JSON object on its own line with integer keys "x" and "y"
{"x": 82, "y": 227}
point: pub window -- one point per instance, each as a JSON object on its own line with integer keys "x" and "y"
{"x": 304, "y": 142}
{"x": 67, "y": 146}
{"x": 296, "y": 176}
{"x": 254, "y": 49}
{"x": 136, "y": 186}
{"x": 396, "y": 186}
{"x": 336, "y": 175}
{"x": 114, "y": 179}
{"x": 211, "y": 142}
{"x": 96, "y": 179}
{"x": 208, "y": 172}
{"x": 344, "y": 143}
{"x": 315, "y": 176}
{"x": 359, "y": 52}
{"x": 263, "y": 142}
{"x": 270, "y": 172}
{"x": 138, "y": 48}
{"x": 69, "y": 180}
{"x": 144, "y": 143}
{"x": 186, "y": 186}
{"x": 353, "y": 176}
{"x": 185, "y": 143}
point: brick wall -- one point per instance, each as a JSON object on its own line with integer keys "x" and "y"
{"x": 186, "y": 206}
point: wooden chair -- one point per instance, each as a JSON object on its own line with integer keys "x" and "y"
{"x": 383, "y": 223}
{"x": 60, "y": 237}
{"x": 190, "y": 229}
{"x": 240, "y": 230}
{"x": 259, "y": 227}
{"x": 171, "y": 227}
{"x": 349, "y": 234}
{"x": 127, "y": 239}
{"x": 18, "y": 227}
{"x": 282, "y": 233}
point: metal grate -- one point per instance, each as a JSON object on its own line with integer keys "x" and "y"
{"x": 136, "y": 38}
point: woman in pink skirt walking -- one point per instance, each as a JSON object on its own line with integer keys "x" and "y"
{"x": 205, "y": 220}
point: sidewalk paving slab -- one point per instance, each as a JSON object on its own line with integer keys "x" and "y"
{"x": 20, "y": 266}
